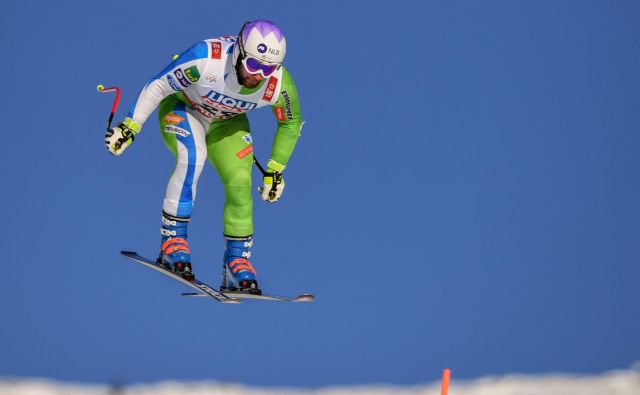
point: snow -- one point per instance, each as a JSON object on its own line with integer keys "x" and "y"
{"x": 620, "y": 382}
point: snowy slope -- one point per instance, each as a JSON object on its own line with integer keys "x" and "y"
{"x": 623, "y": 382}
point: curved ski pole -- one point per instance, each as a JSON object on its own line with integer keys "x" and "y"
{"x": 115, "y": 89}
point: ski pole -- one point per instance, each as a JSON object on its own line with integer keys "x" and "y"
{"x": 259, "y": 166}
{"x": 115, "y": 89}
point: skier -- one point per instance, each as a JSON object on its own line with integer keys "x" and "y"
{"x": 202, "y": 99}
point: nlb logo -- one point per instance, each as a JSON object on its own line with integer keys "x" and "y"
{"x": 230, "y": 101}
{"x": 262, "y": 48}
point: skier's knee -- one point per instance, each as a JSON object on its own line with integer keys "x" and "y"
{"x": 189, "y": 166}
{"x": 238, "y": 186}
{"x": 238, "y": 176}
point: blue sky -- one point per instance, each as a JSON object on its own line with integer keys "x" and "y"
{"x": 464, "y": 195}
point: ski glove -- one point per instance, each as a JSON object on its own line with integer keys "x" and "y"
{"x": 273, "y": 183}
{"x": 119, "y": 138}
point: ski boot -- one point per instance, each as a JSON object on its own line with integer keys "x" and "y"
{"x": 238, "y": 275}
{"x": 174, "y": 251}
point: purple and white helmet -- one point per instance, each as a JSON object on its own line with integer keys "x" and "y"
{"x": 262, "y": 40}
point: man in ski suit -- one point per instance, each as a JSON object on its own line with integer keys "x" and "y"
{"x": 202, "y": 98}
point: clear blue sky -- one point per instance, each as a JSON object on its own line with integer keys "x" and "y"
{"x": 465, "y": 195}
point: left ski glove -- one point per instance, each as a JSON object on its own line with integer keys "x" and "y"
{"x": 119, "y": 138}
{"x": 273, "y": 183}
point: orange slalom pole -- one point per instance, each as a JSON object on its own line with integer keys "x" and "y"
{"x": 446, "y": 376}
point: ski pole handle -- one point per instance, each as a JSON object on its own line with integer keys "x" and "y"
{"x": 115, "y": 89}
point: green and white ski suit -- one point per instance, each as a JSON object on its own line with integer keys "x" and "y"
{"x": 201, "y": 110}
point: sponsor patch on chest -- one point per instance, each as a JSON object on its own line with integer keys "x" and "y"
{"x": 222, "y": 101}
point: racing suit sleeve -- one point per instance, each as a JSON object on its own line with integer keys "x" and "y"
{"x": 287, "y": 112}
{"x": 177, "y": 76}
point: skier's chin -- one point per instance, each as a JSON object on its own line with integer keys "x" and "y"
{"x": 250, "y": 83}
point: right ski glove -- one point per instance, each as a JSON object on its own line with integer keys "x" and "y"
{"x": 273, "y": 183}
{"x": 119, "y": 138}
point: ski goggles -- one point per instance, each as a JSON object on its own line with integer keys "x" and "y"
{"x": 254, "y": 66}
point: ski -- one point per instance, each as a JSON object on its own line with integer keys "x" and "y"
{"x": 276, "y": 298}
{"x": 204, "y": 290}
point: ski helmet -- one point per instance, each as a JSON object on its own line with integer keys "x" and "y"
{"x": 262, "y": 40}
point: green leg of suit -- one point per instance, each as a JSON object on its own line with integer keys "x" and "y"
{"x": 230, "y": 149}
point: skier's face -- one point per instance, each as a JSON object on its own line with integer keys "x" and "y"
{"x": 250, "y": 80}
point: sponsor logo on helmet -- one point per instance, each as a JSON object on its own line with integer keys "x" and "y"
{"x": 216, "y": 50}
{"x": 262, "y": 48}
{"x": 176, "y": 130}
{"x": 271, "y": 89}
{"x": 180, "y": 76}
{"x": 192, "y": 74}
{"x": 172, "y": 119}
{"x": 173, "y": 83}
{"x": 229, "y": 102}
{"x": 247, "y": 138}
{"x": 244, "y": 152}
{"x": 273, "y": 51}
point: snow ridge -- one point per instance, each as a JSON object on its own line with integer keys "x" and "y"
{"x": 620, "y": 382}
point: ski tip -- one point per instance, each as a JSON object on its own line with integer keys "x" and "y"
{"x": 305, "y": 298}
{"x": 128, "y": 253}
